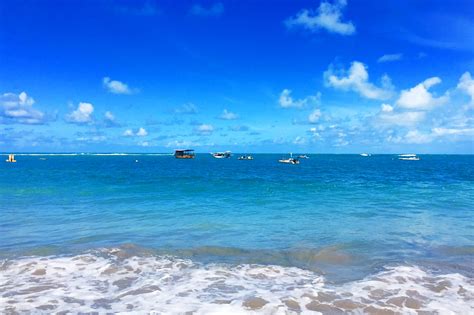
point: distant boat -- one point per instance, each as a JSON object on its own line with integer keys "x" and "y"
{"x": 304, "y": 156}
{"x": 11, "y": 158}
{"x": 184, "y": 154}
{"x": 408, "y": 157}
{"x": 245, "y": 157}
{"x": 365, "y": 154}
{"x": 290, "y": 160}
{"x": 222, "y": 155}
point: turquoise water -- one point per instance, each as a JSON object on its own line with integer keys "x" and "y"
{"x": 346, "y": 217}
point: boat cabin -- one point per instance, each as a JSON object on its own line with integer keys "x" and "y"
{"x": 184, "y": 154}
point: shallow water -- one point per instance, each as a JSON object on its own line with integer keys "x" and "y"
{"x": 332, "y": 224}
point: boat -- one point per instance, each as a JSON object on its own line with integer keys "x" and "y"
{"x": 245, "y": 157}
{"x": 184, "y": 154}
{"x": 11, "y": 158}
{"x": 290, "y": 160}
{"x": 222, "y": 155}
{"x": 304, "y": 156}
{"x": 365, "y": 154}
{"x": 408, "y": 157}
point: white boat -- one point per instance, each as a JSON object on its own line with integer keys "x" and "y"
{"x": 222, "y": 155}
{"x": 11, "y": 158}
{"x": 245, "y": 157}
{"x": 290, "y": 160}
{"x": 408, "y": 157}
{"x": 365, "y": 154}
{"x": 304, "y": 156}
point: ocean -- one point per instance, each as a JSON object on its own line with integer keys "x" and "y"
{"x": 147, "y": 232}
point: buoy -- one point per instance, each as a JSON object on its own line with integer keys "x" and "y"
{"x": 136, "y": 161}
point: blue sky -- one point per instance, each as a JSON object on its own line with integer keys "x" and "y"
{"x": 247, "y": 76}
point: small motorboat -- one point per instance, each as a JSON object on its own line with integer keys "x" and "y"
{"x": 365, "y": 154}
{"x": 245, "y": 157}
{"x": 11, "y": 158}
{"x": 408, "y": 157}
{"x": 290, "y": 160}
{"x": 222, "y": 155}
{"x": 304, "y": 156}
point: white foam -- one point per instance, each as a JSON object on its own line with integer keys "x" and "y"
{"x": 108, "y": 281}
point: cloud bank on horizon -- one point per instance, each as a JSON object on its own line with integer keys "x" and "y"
{"x": 310, "y": 76}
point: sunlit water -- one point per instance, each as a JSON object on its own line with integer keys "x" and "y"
{"x": 337, "y": 233}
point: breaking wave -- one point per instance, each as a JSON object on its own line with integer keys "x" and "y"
{"x": 113, "y": 280}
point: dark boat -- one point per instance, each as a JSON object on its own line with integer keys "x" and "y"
{"x": 184, "y": 154}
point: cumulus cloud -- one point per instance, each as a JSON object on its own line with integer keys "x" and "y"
{"x": 116, "y": 87}
{"x": 217, "y": 9}
{"x": 357, "y": 79}
{"x": 19, "y": 109}
{"x": 82, "y": 115}
{"x": 466, "y": 84}
{"x": 390, "y": 57}
{"x": 328, "y": 16}
{"x": 419, "y": 97}
{"x": 286, "y": 101}
{"x": 204, "y": 129}
{"x": 186, "y": 109}
{"x": 314, "y": 116}
{"x": 141, "y": 132}
{"x": 227, "y": 115}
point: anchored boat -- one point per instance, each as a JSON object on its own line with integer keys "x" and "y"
{"x": 245, "y": 157}
{"x": 408, "y": 157}
{"x": 11, "y": 158}
{"x": 290, "y": 160}
{"x": 222, "y": 155}
{"x": 184, "y": 154}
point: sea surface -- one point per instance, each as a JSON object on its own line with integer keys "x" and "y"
{"x": 335, "y": 234}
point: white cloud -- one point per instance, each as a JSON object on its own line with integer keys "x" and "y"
{"x": 110, "y": 120}
{"x": 188, "y": 108}
{"x": 216, "y": 9}
{"x": 128, "y": 133}
{"x": 419, "y": 98}
{"x": 328, "y": 17}
{"x": 205, "y": 129}
{"x": 314, "y": 116}
{"x": 388, "y": 116}
{"x": 227, "y": 115}
{"x": 141, "y": 132}
{"x": 390, "y": 57}
{"x": 116, "y": 87}
{"x": 19, "y": 109}
{"x": 453, "y": 131}
{"x": 109, "y": 116}
{"x": 82, "y": 115}
{"x": 416, "y": 137}
{"x": 299, "y": 141}
{"x": 466, "y": 84}
{"x": 144, "y": 144}
{"x": 286, "y": 101}
{"x": 386, "y": 108}
{"x": 357, "y": 80}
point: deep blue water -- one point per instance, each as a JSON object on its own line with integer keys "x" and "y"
{"x": 331, "y": 212}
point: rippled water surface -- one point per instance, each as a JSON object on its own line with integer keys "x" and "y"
{"x": 335, "y": 224}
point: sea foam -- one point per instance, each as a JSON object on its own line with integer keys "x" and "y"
{"x": 113, "y": 281}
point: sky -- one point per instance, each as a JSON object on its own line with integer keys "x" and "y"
{"x": 247, "y": 76}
